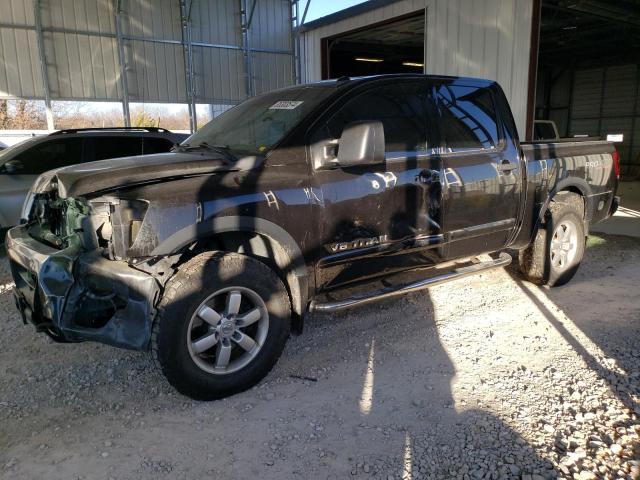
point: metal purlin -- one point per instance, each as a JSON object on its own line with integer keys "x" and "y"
{"x": 244, "y": 26}
{"x": 43, "y": 64}
{"x": 187, "y": 47}
{"x": 122, "y": 62}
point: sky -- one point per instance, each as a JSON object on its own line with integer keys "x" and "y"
{"x": 320, "y": 8}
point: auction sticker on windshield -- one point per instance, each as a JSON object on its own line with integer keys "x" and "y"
{"x": 286, "y": 105}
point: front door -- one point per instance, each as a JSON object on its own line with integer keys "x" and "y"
{"x": 27, "y": 165}
{"x": 381, "y": 218}
{"x": 480, "y": 184}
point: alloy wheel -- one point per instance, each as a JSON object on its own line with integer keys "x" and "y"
{"x": 228, "y": 330}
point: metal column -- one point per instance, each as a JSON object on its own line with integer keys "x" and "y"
{"x": 187, "y": 47}
{"x": 122, "y": 61}
{"x": 244, "y": 25}
{"x": 295, "y": 40}
{"x": 296, "y": 46}
{"x": 43, "y": 65}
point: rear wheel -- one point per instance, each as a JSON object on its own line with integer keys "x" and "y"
{"x": 558, "y": 248}
{"x": 222, "y": 324}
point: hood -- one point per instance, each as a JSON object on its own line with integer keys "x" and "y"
{"x": 105, "y": 175}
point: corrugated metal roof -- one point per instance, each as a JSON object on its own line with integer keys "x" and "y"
{"x": 271, "y": 25}
{"x": 271, "y": 71}
{"x": 81, "y": 49}
{"x": 84, "y": 15}
{"x": 225, "y": 65}
{"x": 216, "y": 22}
{"x": 20, "y": 74}
{"x": 153, "y": 19}
{"x": 82, "y": 66}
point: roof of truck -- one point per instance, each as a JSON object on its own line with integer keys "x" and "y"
{"x": 474, "y": 81}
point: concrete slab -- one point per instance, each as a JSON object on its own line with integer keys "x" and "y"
{"x": 626, "y": 221}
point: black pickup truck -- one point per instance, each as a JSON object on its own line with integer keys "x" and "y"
{"x": 311, "y": 198}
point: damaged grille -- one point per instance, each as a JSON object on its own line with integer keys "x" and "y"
{"x": 106, "y": 223}
{"x": 57, "y": 221}
{"x": 49, "y": 222}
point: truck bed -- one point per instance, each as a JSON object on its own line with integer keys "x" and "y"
{"x": 585, "y": 166}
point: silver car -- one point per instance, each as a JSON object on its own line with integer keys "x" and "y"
{"x": 22, "y": 163}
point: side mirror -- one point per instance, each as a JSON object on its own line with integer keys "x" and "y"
{"x": 361, "y": 143}
{"x": 12, "y": 166}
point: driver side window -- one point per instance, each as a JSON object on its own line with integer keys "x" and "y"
{"x": 402, "y": 110}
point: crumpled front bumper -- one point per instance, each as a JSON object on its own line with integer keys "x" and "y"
{"x": 81, "y": 295}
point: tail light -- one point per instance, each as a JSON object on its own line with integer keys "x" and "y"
{"x": 616, "y": 163}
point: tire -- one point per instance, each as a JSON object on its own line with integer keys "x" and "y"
{"x": 554, "y": 256}
{"x": 198, "y": 308}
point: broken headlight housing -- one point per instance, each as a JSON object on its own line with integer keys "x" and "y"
{"x": 119, "y": 226}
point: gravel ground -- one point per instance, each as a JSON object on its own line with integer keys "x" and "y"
{"x": 486, "y": 377}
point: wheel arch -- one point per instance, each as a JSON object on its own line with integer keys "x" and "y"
{"x": 255, "y": 237}
{"x": 569, "y": 185}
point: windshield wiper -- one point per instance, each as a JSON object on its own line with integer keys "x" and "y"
{"x": 185, "y": 147}
{"x": 224, "y": 149}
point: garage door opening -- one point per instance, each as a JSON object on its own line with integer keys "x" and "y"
{"x": 393, "y": 46}
{"x": 588, "y": 79}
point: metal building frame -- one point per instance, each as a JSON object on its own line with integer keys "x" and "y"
{"x": 247, "y": 10}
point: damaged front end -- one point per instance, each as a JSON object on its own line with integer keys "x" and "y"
{"x": 72, "y": 280}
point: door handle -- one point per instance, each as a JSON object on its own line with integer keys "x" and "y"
{"x": 506, "y": 166}
{"x": 428, "y": 176}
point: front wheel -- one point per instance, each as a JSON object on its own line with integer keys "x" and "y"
{"x": 222, "y": 324}
{"x": 558, "y": 248}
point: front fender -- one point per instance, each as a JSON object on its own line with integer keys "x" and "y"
{"x": 294, "y": 265}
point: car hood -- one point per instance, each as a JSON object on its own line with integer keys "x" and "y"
{"x": 105, "y": 175}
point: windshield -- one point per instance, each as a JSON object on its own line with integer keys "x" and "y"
{"x": 258, "y": 124}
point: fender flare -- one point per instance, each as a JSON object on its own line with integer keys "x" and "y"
{"x": 579, "y": 184}
{"x": 295, "y": 270}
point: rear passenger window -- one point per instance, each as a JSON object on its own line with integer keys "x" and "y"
{"x": 401, "y": 109}
{"x": 155, "y": 145}
{"x": 468, "y": 118}
{"x": 115, "y": 147}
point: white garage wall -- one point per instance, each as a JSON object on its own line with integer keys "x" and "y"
{"x": 480, "y": 38}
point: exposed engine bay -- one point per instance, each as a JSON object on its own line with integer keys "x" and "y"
{"x": 83, "y": 284}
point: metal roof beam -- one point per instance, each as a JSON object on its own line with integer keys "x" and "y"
{"x": 613, "y": 11}
{"x": 43, "y": 65}
{"x": 244, "y": 27}
{"x": 122, "y": 62}
{"x": 187, "y": 49}
{"x": 304, "y": 14}
{"x": 251, "y": 12}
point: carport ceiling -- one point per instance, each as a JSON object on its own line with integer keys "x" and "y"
{"x": 406, "y": 33}
{"x": 589, "y": 32}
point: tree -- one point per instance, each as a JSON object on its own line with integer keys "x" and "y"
{"x": 142, "y": 118}
{"x": 4, "y": 115}
{"x": 22, "y": 115}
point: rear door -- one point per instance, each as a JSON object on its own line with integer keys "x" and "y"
{"x": 155, "y": 145}
{"x": 105, "y": 147}
{"x": 379, "y": 218}
{"x": 481, "y": 188}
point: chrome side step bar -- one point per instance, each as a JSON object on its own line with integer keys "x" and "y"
{"x": 503, "y": 260}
